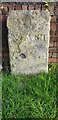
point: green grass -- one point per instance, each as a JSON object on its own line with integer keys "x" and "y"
{"x": 31, "y": 96}
{"x": 0, "y": 96}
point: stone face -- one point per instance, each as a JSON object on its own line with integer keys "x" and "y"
{"x": 28, "y": 36}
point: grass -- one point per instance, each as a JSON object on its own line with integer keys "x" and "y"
{"x": 31, "y": 96}
{"x": 0, "y": 96}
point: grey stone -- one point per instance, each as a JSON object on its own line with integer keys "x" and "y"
{"x": 28, "y": 0}
{"x": 28, "y": 40}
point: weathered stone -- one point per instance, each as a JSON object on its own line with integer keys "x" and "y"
{"x": 28, "y": 40}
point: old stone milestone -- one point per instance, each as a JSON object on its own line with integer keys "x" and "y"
{"x": 28, "y": 37}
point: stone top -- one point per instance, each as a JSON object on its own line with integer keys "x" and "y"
{"x": 28, "y": 0}
{"x": 27, "y": 20}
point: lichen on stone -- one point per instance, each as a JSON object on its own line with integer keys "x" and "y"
{"x": 28, "y": 38}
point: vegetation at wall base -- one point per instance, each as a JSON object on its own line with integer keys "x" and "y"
{"x": 30, "y": 96}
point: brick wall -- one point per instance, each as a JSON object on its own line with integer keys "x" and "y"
{"x": 53, "y": 45}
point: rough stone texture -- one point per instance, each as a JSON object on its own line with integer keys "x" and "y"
{"x": 28, "y": 40}
{"x": 28, "y": 0}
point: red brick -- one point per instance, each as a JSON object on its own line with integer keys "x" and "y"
{"x": 55, "y": 43}
{"x": 52, "y": 44}
{"x": 56, "y": 10}
{"x": 5, "y": 54}
{"x": 4, "y": 17}
{"x": 53, "y": 19}
{"x": 53, "y": 55}
{"x": 17, "y": 7}
{"x": 14, "y": 6}
{"x": 31, "y": 7}
{"x": 52, "y": 39}
{"x": 53, "y": 49}
{"x": 10, "y": 7}
{"x": 55, "y": 34}
{"x": 0, "y": 54}
{"x": 38, "y": 7}
{"x": 24, "y": 7}
{"x": 51, "y": 33}
{"x": 53, "y": 26}
{"x": 50, "y": 54}
{"x": 0, "y": 12}
{"x": 57, "y": 26}
{"x": 1, "y": 18}
{"x": 53, "y": 60}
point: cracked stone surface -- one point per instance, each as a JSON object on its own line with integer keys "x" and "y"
{"x": 28, "y": 37}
